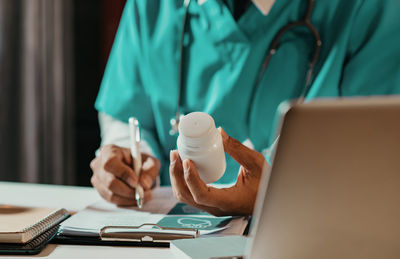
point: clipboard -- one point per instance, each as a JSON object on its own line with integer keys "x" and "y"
{"x": 147, "y": 235}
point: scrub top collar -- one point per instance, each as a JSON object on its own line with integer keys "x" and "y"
{"x": 263, "y": 5}
{"x": 215, "y": 18}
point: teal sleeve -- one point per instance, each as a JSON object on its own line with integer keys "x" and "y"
{"x": 121, "y": 92}
{"x": 372, "y": 66}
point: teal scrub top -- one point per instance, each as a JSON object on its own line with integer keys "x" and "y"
{"x": 360, "y": 56}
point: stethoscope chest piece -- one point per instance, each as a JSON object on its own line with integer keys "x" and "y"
{"x": 175, "y": 124}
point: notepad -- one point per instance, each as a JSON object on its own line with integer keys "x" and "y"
{"x": 22, "y": 224}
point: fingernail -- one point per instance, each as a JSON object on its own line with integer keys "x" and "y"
{"x": 172, "y": 157}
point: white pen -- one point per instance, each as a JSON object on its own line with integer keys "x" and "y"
{"x": 137, "y": 157}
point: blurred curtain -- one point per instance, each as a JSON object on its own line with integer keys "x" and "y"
{"x": 36, "y": 91}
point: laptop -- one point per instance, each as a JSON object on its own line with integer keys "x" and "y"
{"x": 334, "y": 185}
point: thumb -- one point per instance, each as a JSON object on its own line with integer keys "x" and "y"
{"x": 246, "y": 157}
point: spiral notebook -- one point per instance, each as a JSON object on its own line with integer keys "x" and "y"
{"x": 22, "y": 224}
{"x": 35, "y": 246}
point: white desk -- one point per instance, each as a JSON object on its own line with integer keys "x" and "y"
{"x": 74, "y": 199}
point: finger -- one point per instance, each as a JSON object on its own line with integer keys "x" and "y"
{"x": 126, "y": 156}
{"x": 109, "y": 196}
{"x": 114, "y": 195}
{"x": 146, "y": 180}
{"x": 122, "y": 201}
{"x": 147, "y": 197}
{"x": 176, "y": 175}
{"x": 203, "y": 194}
{"x": 179, "y": 187}
{"x": 118, "y": 187}
{"x": 248, "y": 158}
{"x": 113, "y": 163}
{"x": 123, "y": 172}
{"x": 94, "y": 164}
{"x": 111, "y": 149}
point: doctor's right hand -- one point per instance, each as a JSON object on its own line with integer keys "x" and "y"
{"x": 238, "y": 199}
{"x": 114, "y": 178}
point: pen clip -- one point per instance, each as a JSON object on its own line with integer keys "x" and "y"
{"x": 134, "y": 129}
{"x": 138, "y": 130}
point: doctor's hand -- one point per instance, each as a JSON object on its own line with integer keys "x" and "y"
{"x": 236, "y": 200}
{"x": 114, "y": 178}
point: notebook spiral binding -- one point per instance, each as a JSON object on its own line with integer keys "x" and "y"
{"x": 38, "y": 228}
{"x": 42, "y": 237}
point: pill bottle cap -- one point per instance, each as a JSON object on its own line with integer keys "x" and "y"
{"x": 197, "y": 128}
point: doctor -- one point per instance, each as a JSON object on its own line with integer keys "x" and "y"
{"x": 236, "y": 60}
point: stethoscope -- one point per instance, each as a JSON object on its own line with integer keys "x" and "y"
{"x": 271, "y": 51}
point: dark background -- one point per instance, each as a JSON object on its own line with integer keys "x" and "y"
{"x": 95, "y": 24}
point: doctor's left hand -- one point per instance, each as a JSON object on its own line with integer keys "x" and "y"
{"x": 236, "y": 200}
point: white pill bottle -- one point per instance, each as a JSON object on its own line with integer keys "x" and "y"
{"x": 201, "y": 142}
